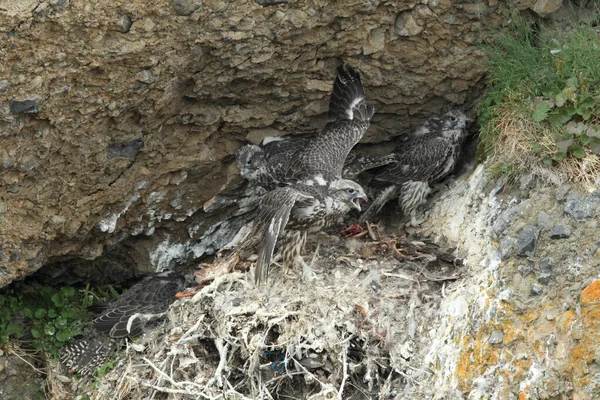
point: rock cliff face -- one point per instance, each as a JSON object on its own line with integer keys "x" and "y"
{"x": 119, "y": 120}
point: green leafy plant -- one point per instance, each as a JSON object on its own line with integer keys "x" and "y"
{"x": 550, "y": 82}
{"x": 46, "y": 316}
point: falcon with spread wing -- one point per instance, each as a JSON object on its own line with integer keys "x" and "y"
{"x": 426, "y": 156}
{"x": 128, "y": 316}
{"x": 288, "y": 214}
{"x": 317, "y": 159}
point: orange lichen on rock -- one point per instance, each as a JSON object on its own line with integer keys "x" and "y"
{"x": 591, "y": 294}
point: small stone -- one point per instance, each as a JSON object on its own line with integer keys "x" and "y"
{"x": 124, "y": 23}
{"x": 186, "y": 7}
{"x": 3, "y": 207}
{"x": 125, "y": 150}
{"x": 144, "y": 76}
{"x": 3, "y": 86}
{"x": 406, "y": 25}
{"x": 376, "y": 41}
{"x": 560, "y": 232}
{"x": 527, "y": 243}
{"x": 545, "y": 271}
{"x": 545, "y": 221}
{"x": 536, "y": 290}
{"x": 1, "y": 254}
{"x": 58, "y": 220}
{"x": 59, "y": 4}
{"x": 562, "y": 192}
{"x": 551, "y": 314}
{"x": 579, "y": 208}
{"x": 545, "y": 7}
{"x": 497, "y": 337}
{"x": 506, "y": 245}
{"x": 14, "y": 257}
{"x": 24, "y": 106}
{"x": 149, "y": 25}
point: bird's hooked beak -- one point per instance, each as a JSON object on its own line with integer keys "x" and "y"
{"x": 356, "y": 201}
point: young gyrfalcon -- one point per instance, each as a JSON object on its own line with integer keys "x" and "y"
{"x": 257, "y": 163}
{"x": 290, "y": 213}
{"x": 427, "y": 155}
{"x": 129, "y": 315}
{"x": 317, "y": 159}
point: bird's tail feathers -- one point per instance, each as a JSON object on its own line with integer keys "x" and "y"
{"x": 365, "y": 163}
{"x": 267, "y": 249}
{"x": 348, "y": 96}
{"x": 386, "y": 195}
{"x": 85, "y": 356}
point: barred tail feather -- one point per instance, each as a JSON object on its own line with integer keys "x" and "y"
{"x": 348, "y": 96}
{"x": 85, "y": 356}
{"x": 362, "y": 164}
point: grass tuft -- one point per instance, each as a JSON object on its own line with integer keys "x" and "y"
{"x": 542, "y": 109}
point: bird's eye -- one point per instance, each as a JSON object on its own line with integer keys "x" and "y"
{"x": 249, "y": 163}
{"x": 453, "y": 119}
{"x": 351, "y": 191}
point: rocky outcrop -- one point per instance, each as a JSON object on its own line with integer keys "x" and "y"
{"x": 119, "y": 121}
{"x": 523, "y": 322}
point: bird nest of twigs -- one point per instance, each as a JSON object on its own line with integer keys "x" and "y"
{"x": 353, "y": 333}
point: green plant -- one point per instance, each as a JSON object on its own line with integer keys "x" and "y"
{"x": 545, "y": 88}
{"x": 46, "y": 316}
{"x": 106, "y": 368}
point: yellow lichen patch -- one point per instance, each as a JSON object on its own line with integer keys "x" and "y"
{"x": 476, "y": 356}
{"x": 582, "y": 354}
{"x": 591, "y": 294}
{"x": 566, "y": 321}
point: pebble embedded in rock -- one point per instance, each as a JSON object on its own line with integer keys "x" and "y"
{"x": 545, "y": 221}
{"x": 527, "y": 243}
{"x": 125, "y": 150}
{"x": 144, "y": 76}
{"x": 536, "y": 290}
{"x": 59, "y": 4}
{"x": 186, "y": 7}
{"x": 24, "y": 106}
{"x": 3, "y": 86}
{"x": 497, "y": 337}
{"x": 14, "y": 257}
{"x": 560, "y": 232}
{"x": 545, "y": 271}
{"x": 124, "y": 23}
{"x": 406, "y": 25}
{"x": 580, "y": 208}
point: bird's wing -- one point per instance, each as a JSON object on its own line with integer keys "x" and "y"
{"x": 356, "y": 164}
{"x": 422, "y": 162}
{"x": 349, "y": 118}
{"x": 126, "y": 315}
{"x": 273, "y": 215}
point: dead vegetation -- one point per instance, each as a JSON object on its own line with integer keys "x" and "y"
{"x": 354, "y": 333}
{"x": 514, "y": 149}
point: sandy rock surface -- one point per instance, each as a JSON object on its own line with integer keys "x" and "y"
{"x": 120, "y": 120}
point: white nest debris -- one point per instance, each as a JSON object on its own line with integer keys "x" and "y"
{"x": 359, "y": 331}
